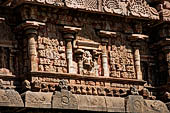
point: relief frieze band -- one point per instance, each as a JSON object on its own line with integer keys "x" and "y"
{"x": 134, "y": 8}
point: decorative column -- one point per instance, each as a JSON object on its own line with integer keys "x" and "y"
{"x": 30, "y": 28}
{"x": 105, "y": 35}
{"x": 136, "y": 38}
{"x": 69, "y": 35}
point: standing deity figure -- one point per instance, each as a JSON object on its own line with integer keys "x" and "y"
{"x": 87, "y": 60}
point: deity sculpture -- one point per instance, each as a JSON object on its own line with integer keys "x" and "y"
{"x": 87, "y": 60}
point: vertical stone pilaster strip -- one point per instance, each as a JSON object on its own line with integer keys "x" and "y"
{"x": 137, "y": 63}
{"x": 69, "y": 34}
{"x": 32, "y": 52}
{"x": 136, "y": 39}
{"x": 105, "y": 60}
{"x": 105, "y": 35}
{"x": 69, "y": 53}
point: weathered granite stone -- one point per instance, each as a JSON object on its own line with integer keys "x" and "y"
{"x": 91, "y": 103}
{"x": 10, "y": 98}
{"x": 134, "y": 104}
{"x": 115, "y": 104}
{"x": 38, "y": 99}
{"x": 154, "y": 106}
{"x": 64, "y": 100}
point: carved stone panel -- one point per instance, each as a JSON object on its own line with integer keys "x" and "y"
{"x": 134, "y": 104}
{"x": 91, "y": 103}
{"x": 115, "y": 104}
{"x": 121, "y": 59}
{"x": 88, "y": 52}
{"x": 64, "y": 100}
{"x": 84, "y": 4}
{"x": 38, "y": 99}
{"x": 10, "y": 98}
{"x": 51, "y": 55}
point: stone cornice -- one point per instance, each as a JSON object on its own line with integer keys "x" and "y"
{"x": 133, "y": 9}
{"x": 93, "y": 78}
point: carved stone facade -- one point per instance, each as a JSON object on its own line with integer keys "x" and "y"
{"x": 85, "y": 55}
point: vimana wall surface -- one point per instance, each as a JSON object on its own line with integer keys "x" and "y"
{"x": 75, "y": 56}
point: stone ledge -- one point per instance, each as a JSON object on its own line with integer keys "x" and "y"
{"x": 37, "y": 99}
{"x": 93, "y": 78}
{"x": 65, "y": 100}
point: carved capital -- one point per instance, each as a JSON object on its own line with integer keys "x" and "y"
{"x": 29, "y": 27}
{"x": 69, "y": 29}
{"x": 106, "y": 34}
{"x": 136, "y": 37}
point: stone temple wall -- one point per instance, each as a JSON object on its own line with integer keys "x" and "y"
{"x": 84, "y": 55}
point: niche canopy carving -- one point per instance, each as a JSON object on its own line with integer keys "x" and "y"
{"x": 51, "y": 53}
{"x": 121, "y": 59}
{"x": 87, "y": 52}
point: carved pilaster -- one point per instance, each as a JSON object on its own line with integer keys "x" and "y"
{"x": 136, "y": 38}
{"x": 69, "y": 35}
{"x": 31, "y": 35}
{"x": 104, "y": 37}
{"x": 30, "y": 31}
{"x": 137, "y": 63}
